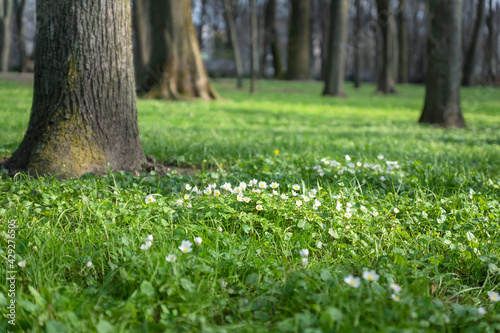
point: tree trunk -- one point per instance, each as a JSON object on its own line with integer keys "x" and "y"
{"x": 402, "y": 43}
{"x": 6, "y": 10}
{"x": 386, "y": 24}
{"x": 472, "y": 51}
{"x": 23, "y": 61}
{"x": 254, "y": 59}
{"x": 177, "y": 71}
{"x": 334, "y": 81}
{"x": 442, "y": 81}
{"x": 141, "y": 24}
{"x": 271, "y": 37}
{"x": 84, "y": 114}
{"x": 299, "y": 62}
{"x": 491, "y": 46}
{"x": 233, "y": 36}
{"x": 358, "y": 50}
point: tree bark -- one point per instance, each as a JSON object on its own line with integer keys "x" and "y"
{"x": 271, "y": 38}
{"x": 491, "y": 47}
{"x": 472, "y": 51}
{"x": 358, "y": 51}
{"x": 386, "y": 24}
{"x": 6, "y": 10}
{"x": 402, "y": 43}
{"x": 142, "y": 50}
{"x": 442, "y": 82}
{"x": 23, "y": 58}
{"x": 177, "y": 71}
{"x": 84, "y": 114}
{"x": 254, "y": 59}
{"x": 233, "y": 36}
{"x": 299, "y": 62}
{"x": 334, "y": 81}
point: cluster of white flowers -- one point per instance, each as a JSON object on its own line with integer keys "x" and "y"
{"x": 304, "y": 253}
{"x": 148, "y": 243}
{"x": 185, "y": 247}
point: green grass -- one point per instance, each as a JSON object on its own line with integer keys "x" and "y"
{"x": 442, "y": 247}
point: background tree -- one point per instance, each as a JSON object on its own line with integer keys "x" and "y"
{"x": 472, "y": 52}
{"x": 84, "y": 113}
{"x": 271, "y": 39}
{"x": 299, "y": 62}
{"x": 21, "y": 43}
{"x": 6, "y": 11}
{"x": 255, "y": 50}
{"x": 491, "y": 45}
{"x": 233, "y": 37}
{"x": 334, "y": 80}
{"x": 358, "y": 56}
{"x": 176, "y": 68}
{"x": 386, "y": 24}
{"x": 402, "y": 43}
{"x": 442, "y": 82}
{"x": 142, "y": 49}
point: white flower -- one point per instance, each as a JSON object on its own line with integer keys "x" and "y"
{"x": 179, "y": 202}
{"x": 348, "y": 215}
{"x": 382, "y": 178}
{"x": 395, "y": 210}
{"x": 481, "y": 311}
{"x": 284, "y": 196}
{"x": 212, "y": 185}
{"x": 149, "y": 199}
{"x": 243, "y": 185}
{"x": 363, "y": 208}
{"x": 223, "y": 284}
{"x": 186, "y": 196}
{"x": 370, "y": 275}
{"x": 239, "y": 198}
{"x": 298, "y": 203}
{"x": 375, "y": 213}
{"x": 395, "y": 298}
{"x": 208, "y": 190}
{"x": 35, "y": 248}
{"x": 275, "y": 192}
{"x": 304, "y": 261}
{"x": 304, "y": 253}
{"x": 246, "y": 199}
{"x": 189, "y": 205}
{"x": 262, "y": 184}
{"x": 347, "y": 157}
{"x": 253, "y": 182}
{"x": 89, "y": 264}
{"x": 188, "y": 187}
{"x": 274, "y": 185}
{"x": 186, "y": 246}
{"x": 349, "y": 205}
{"x": 216, "y": 193}
{"x": 146, "y": 245}
{"x": 170, "y": 258}
{"x": 198, "y": 240}
{"x": 306, "y": 199}
{"x": 339, "y": 206}
{"x": 22, "y": 263}
{"x": 220, "y": 229}
{"x": 294, "y": 193}
{"x": 494, "y": 296}
{"x": 380, "y": 157}
{"x": 358, "y": 164}
{"x": 352, "y": 281}
{"x": 195, "y": 189}
{"x": 296, "y": 187}
{"x": 316, "y": 204}
{"x": 340, "y": 172}
{"x": 149, "y": 238}
{"x": 259, "y": 207}
{"x": 256, "y": 190}
{"x": 312, "y": 193}
{"x": 396, "y": 288}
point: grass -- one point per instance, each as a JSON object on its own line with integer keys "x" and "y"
{"x": 441, "y": 244}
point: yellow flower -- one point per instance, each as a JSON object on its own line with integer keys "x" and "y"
{"x": 276, "y": 152}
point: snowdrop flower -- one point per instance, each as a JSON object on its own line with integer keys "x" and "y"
{"x": 396, "y": 288}
{"x": 274, "y": 185}
{"x": 296, "y": 187}
{"x": 395, "y": 298}
{"x": 216, "y": 193}
{"x": 298, "y": 203}
{"x": 149, "y": 238}
{"x": 262, "y": 184}
{"x": 304, "y": 261}
{"x": 170, "y": 258}
{"x": 395, "y": 210}
{"x": 146, "y": 245}
{"x": 149, "y": 199}
{"x": 348, "y": 215}
{"x": 380, "y": 157}
{"x": 22, "y": 263}
{"x": 186, "y": 246}
{"x": 294, "y": 193}
{"x": 304, "y": 253}
{"x": 284, "y": 196}
{"x": 259, "y": 207}
{"x": 481, "y": 311}
{"x": 494, "y": 296}
{"x": 179, "y": 202}
{"x": 198, "y": 240}
{"x": 375, "y": 213}
{"x": 89, "y": 264}
{"x": 352, "y": 281}
{"x": 188, "y": 187}
{"x": 347, "y": 157}
{"x": 186, "y": 196}
{"x": 370, "y": 275}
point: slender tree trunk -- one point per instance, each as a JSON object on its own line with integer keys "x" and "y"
{"x": 334, "y": 81}
{"x": 142, "y": 28}
{"x": 299, "y": 62}
{"x": 6, "y": 10}
{"x": 472, "y": 51}
{"x": 84, "y": 114}
{"x": 358, "y": 50}
{"x": 177, "y": 71}
{"x": 255, "y": 52}
{"x": 442, "y": 82}
{"x": 491, "y": 45}
{"x": 386, "y": 23}
{"x": 271, "y": 37}
{"x": 402, "y": 43}
{"x": 233, "y": 36}
{"x": 23, "y": 59}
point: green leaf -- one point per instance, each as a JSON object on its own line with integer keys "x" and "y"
{"x": 147, "y": 289}
{"x": 301, "y": 224}
{"x": 3, "y": 300}
{"x": 459, "y": 309}
{"x": 187, "y": 285}
{"x": 53, "y": 326}
{"x": 326, "y": 275}
{"x": 104, "y": 327}
{"x": 253, "y": 279}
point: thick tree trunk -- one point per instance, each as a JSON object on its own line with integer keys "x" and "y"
{"x": 442, "y": 82}
{"x": 334, "y": 80}
{"x": 233, "y": 36}
{"x": 84, "y": 114}
{"x": 402, "y": 43}
{"x": 299, "y": 62}
{"x": 358, "y": 50}
{"x": 386, "y": 24}
{"x": 271, "y": 38}
{"x": 254, "y": 59}
{"x": 23, "y": 58}
{"x": 142, "y": 50}
{"x": 177, "y": 71}
{"x": 472, "y": 51}
{"x": 6, "y": 11}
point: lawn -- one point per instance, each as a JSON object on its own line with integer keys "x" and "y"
{"x": 375, "y": 224}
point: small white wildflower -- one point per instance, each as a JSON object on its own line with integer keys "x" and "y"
{"x": 89, "y": 264}
{"x": 256, "y": 190}
{"x": 347, "y": 157}
{"x": 304, "y": 253}
{"x": 395, "y": 210}
{"x": 352, "y": 281}
{"x": 186, "y": 196}
{"x": 370, "y": 275}
{"x": 375, "y": 213}
{"x": 188, "y": 187}
{"x": 395, "y": 298}
{"x": 246, "y": 199}
{"x": 35, "y": 248}
{"x": 220, "y": 229}
{"x": 262, "y": 184}
{"x": 380, "y": 157}
{"x": 363, "y": 208}
{"x": 481, "y": 311}
{"x": 382, "y": 178}
{"x": 274, "y": 185}
{"x": 259, "y": 207}
{"x": 22, "y": 264}
{"x": 216, "y": 193}
{"x": 198, "y": 240}
{"x": 294, "y": 193}
{"x": 340, "y": 172}
{"x": 304, "y": 261}
{"x": 339, "y": 206}
{"x": 149, "y": 238}
{"x": 179, "y": 202}
{"x": 348, "y": 215}
{"x": 223, "y": 284}
{"x": 189, "y": 205}
{"x": 306, "y": 199}
{"x": 186, "y": 246}
{"x": 284, "y": 196}
{"x": 494, "y": 296}
{"x": 149, "y": 199}
{"x": 195, "y": 189}
{"x": 396, "y": 288}
{"x": 239, "y": 198}
{"x": 208, "y": 190}
{"x": 298, "y": 203}
{"x": 296, "y": 187}
{"x": 253, "y": 182}
{"x": 146, "y": 245}
{"x": 171, "y": 258}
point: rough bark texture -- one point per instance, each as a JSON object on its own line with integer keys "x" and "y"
{"x": 84, "y": 112}
{"x": 402, "y": 43}
{"x": 254, "y": 59}
{"x": 334, "y": 80}
{"x": 491, "y": 57}
{"x": 442, "y": 82}
{"x": 386, "y": 24}
{"x": 271, "y": 38}
{"x": 6, "y": 11}
{"x": 473, "y": 50}
{"x": 358, "y": 55}
{"x": 142, "y": 49}
{"x": 21, "y": 43}
{"x": 233, "y": 37}
{"x": 177, "y": 71}
{"x": 299, "y": 62}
